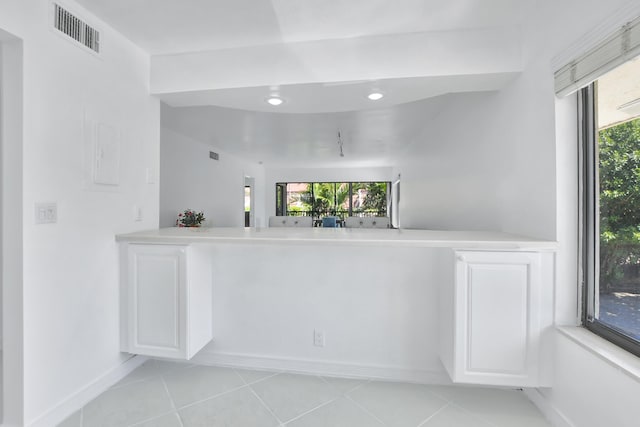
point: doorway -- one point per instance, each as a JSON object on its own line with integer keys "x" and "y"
{"x": 249, "y": 202}
{"x": 247, "y": 206}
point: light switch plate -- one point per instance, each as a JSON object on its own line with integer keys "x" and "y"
{"x": 150, "y": 176}
{"x": 46, "y": 213}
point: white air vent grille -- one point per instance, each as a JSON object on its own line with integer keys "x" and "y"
{"x": 75, "y": 28}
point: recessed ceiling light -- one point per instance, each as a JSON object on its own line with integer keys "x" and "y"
{"x": 375, "y": 96}
{"x": 274, "y": 100}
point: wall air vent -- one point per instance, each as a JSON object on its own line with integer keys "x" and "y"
{"x": 69, "y": 24}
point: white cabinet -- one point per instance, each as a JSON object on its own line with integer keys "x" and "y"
{"x": 166, "y": 300}
{"x": 493, "y": 318}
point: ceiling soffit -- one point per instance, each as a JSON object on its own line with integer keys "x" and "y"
{"x": 366, "y": 59}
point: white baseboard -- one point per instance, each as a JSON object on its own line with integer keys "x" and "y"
{"x": 77, "y": 400}
{"x": 321, "y": 367}
{"x": 553, "y": 415}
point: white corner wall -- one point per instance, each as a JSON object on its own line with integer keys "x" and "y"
{"x": 589, "y": 391}
{"x": 70, "y": 271}
{"x": 507, "y": 161}
{"x": 11, "y": 51}
{"x": 189, "y": 179}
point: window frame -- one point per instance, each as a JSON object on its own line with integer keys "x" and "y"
{"x": 282, "y": 186}
{"x": 589, "y": 220}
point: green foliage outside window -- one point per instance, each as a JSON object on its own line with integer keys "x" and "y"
{"x": 343, "y": 199}
{"x": 619, "y": 174}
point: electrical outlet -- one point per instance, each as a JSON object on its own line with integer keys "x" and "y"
{"x": 137, "y": 213}
{"x": 318, "y": 338}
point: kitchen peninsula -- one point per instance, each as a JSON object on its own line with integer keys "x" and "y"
{"x": 385, "y": 303}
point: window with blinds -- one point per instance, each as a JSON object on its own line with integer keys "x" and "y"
{"x": 609, "y": 125}
{"x": 615, "y": 50}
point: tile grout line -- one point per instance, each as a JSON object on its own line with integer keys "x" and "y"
{"x": 211, "y": 397}
{"x": 473, "y": 414}
{"x": 174, "y": 410}
{"x": 166, "y": 389}
{"x": 155, "y": 417}
{"x": 264, "y": 404}
{"x": 364, "y": 383}
{"x": 340, "y": 395}
{"x": 173, "y": 403}
{"x": 173, "y": 406}
{"x": 352, "y": 400}
{"x": 430, "y": 417}
{"x": 311, "y": 410}
{"x": 150, "y": 377}
{"x": 271, "y": 375}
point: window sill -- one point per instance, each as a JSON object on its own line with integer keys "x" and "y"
{"x": 603, "y": 349}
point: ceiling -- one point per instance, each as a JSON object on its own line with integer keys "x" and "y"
{"x": 370, "y": 138}
{"x": 338, "y": 96}
{"x": 304, "y": 128}
{"x": 170, "y": 26}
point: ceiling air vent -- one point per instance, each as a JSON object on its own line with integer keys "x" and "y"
{"x": 75, "y": 28}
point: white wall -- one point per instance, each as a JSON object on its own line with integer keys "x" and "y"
{"x": 2, "y": 106}
{"x": 70, "y": 268}
{"x": 507, "y": 161}
{"x": 379, "y": 318}
{"x": 189, "y": 179}
{"x": 472, "y": 168}
{"x": 589, "y": 391}
{"x": 11, "y": 101}
{"x": 296, "y": 174}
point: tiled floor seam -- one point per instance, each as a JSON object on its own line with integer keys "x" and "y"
{"x": 128, "y": 383}
{"x": 430, "y": 417}
{"x": 166, "y": 389}
{"x": 180, "y": 408}
{"x": 311, "y": 410}
{"x": 173, "y": 403}
{"x": 264, "y": 404}
{"x": 272, "y": 374}
{"x": 344, "y": 393}
{"x": 155, "y": 417}
{"x": 355, "y": 402}
{"x": 364, "y": 383}
{"x": 475, "y": 415}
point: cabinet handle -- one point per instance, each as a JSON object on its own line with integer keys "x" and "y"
{"x": 461, "y": 258}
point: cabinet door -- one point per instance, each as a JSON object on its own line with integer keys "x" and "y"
{"x": 157, "y": 279}
{"x": 497, "y": 299}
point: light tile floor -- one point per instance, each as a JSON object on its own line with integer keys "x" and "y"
{"x": 167, "y": 394}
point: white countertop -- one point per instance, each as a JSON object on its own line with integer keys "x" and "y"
{"x": 350, "y": 236}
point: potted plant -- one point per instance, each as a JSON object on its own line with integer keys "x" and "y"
{"x": 190, "y": 218}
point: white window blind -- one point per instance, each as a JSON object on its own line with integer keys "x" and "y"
{"x": 615, "y": 50}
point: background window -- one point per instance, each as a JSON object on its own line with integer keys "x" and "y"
{"x": 342, "y": 199}
{"x": 611, "y": 131}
